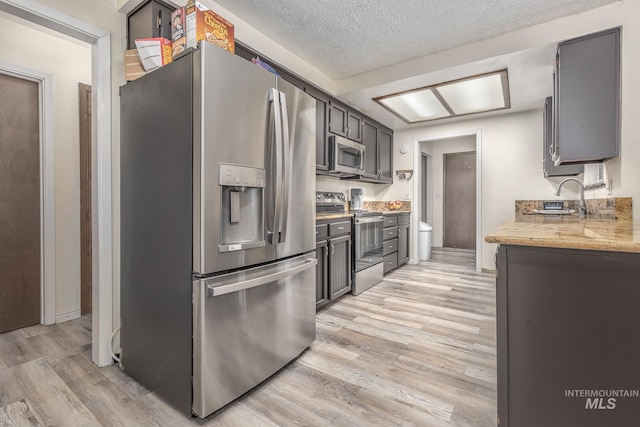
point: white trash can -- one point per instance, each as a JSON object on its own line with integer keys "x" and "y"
{"x": 425, "y": 241}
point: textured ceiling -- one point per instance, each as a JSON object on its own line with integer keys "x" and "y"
{"x": 343, "y": 38}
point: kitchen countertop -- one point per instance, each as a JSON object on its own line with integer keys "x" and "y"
{"x": 321, "y": 216}
{"x": 569, "y": 232}
{"x": 399, "y": 211}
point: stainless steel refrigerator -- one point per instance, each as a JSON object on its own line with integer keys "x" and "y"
{"x": 217, "y": 228}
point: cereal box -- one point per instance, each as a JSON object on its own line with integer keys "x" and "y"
{"x": 204, "y": 24}
{"x": 178, "y": 31}
{"x": 154, "y": 52}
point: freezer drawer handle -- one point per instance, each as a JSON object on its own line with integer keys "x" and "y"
{"x": 214, "y": 291}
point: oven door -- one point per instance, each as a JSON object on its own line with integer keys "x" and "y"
{"x": 346, "y": 157}
{"x": 368, "y": 241}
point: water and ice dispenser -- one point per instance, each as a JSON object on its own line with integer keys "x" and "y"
{"x": 242, "y": 207}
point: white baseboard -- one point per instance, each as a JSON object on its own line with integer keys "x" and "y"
{"x": 67, "y": 316}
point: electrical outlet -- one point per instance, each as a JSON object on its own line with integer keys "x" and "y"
{"x": 407, "y": 196}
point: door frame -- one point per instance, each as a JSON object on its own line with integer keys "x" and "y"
{"x": 102, "y": 227}
{"x": 415, "y": 206}
{"x": 47, "y": 178}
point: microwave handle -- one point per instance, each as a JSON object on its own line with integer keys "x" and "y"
{"x": 362, "y": 162}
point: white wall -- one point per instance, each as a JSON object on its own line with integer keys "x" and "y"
{"x": 70, "y": 63}
{"x": 437, "y": 149}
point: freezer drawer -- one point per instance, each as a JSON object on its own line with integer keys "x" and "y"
{"x": 247, "y": 325}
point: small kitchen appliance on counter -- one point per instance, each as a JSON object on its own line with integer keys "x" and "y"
{"x": 357, "y": 199}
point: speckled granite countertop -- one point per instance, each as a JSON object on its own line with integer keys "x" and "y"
{"x": 399, "y": 211}
{"x": 321, "y": 216}
{"x": 569, "y": 232}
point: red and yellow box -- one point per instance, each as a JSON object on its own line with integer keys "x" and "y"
{"x": 201, "y": 23}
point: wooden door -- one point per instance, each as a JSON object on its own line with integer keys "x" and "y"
{"x": 84, "y": 92}
{"x": 19, "y": 203}
{"x": 460, "y": 200}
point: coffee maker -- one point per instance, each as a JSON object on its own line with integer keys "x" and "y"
{"x": 357, "y": 196}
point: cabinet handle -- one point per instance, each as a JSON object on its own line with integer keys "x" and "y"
{"x": 340, "y": 228}
{"x": 333, "y": 248}
{"x": 326, "y": 251}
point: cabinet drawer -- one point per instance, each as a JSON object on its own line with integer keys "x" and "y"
{"x": 322, "y": 231}
{"x": 389, "y": 233}
{"x": 338, "y": 228}
{"x": 389, "y": 246}
{"x": 390, "y": 261}
{"x": 403, "y": 219}
{"x": 390, "y": 220}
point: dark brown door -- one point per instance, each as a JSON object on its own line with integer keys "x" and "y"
{"x": 460, "y": 200}
{"x": 85, "y": 197}
{"x": 19, "y": 203}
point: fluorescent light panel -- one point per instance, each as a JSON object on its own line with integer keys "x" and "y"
{"x": 416, "y": 106}
{"x": 475, "y": 95}
{"x": 466, "y": 96}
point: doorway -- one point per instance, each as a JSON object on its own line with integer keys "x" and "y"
{"x": 20, "y": 231}
{"x": 102, "y": 246}
{"x": 460, "y": 200}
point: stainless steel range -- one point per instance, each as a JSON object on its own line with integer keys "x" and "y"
{"x": 368, "y": 269}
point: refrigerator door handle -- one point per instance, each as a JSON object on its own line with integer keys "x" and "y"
{"x": 286, "y": 167}
{"x": 214, "y": 291}
{"x": 274, "y": 99}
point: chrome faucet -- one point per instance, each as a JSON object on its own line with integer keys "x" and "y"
{"x": 582, "y": 206}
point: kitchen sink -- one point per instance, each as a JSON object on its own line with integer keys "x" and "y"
{"x": 553, "y": 211}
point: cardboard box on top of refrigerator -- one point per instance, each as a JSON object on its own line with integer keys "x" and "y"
{"x": 133, "y": 68}
{"x": 201, "y": 23}
{"x": 178, "y": 31}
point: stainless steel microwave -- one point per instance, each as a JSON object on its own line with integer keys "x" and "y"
{"x": 345, "y": 156}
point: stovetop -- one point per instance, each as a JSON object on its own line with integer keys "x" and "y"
{"x": 330, "y": 202}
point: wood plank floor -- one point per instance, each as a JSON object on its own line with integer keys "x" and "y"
{"x": 417, "y": 349}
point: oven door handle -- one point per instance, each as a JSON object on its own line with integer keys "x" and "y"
{"x": 214, "y": 291}
{"x": 368, "y": 219}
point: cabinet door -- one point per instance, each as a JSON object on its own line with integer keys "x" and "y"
{"x": 338, "y": 119}
{"x": 339, "y": 266}
{"x": 588, "y": 82}
{"x": 322, "y": 273}
{"x": 152, "y": 19}
{"x": 548, "y": 167}
{"x": 354, "y": 126}
{"x": 403, "y": 244}
{"x": 370, "y": 141}
{"x": 322, "y": 147}
{"x": 385, "y": 156}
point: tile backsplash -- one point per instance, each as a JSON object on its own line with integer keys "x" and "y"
{"x": 612, "y": 207}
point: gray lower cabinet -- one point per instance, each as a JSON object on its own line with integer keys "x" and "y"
{"x": 403, "y": 244}
{"x": 395, "y": 236}
{"x": 567, "y": 328}
{"x": 333, "y": 251}
{"x": 587, "y": 96}
{"x": 322, "y": 273}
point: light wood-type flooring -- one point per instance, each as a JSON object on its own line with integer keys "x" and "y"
{"x": 417, "y": 349}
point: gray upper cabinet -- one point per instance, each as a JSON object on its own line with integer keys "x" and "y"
{"x": 344, "y": 121}
{"x": 151, "y": 19}
{"x": 549, "y": 168}
{"x": 378, "y": 160}
{"x": 587, "y": 89}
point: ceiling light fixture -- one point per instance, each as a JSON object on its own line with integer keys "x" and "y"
{"x": 475, "y": 94}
